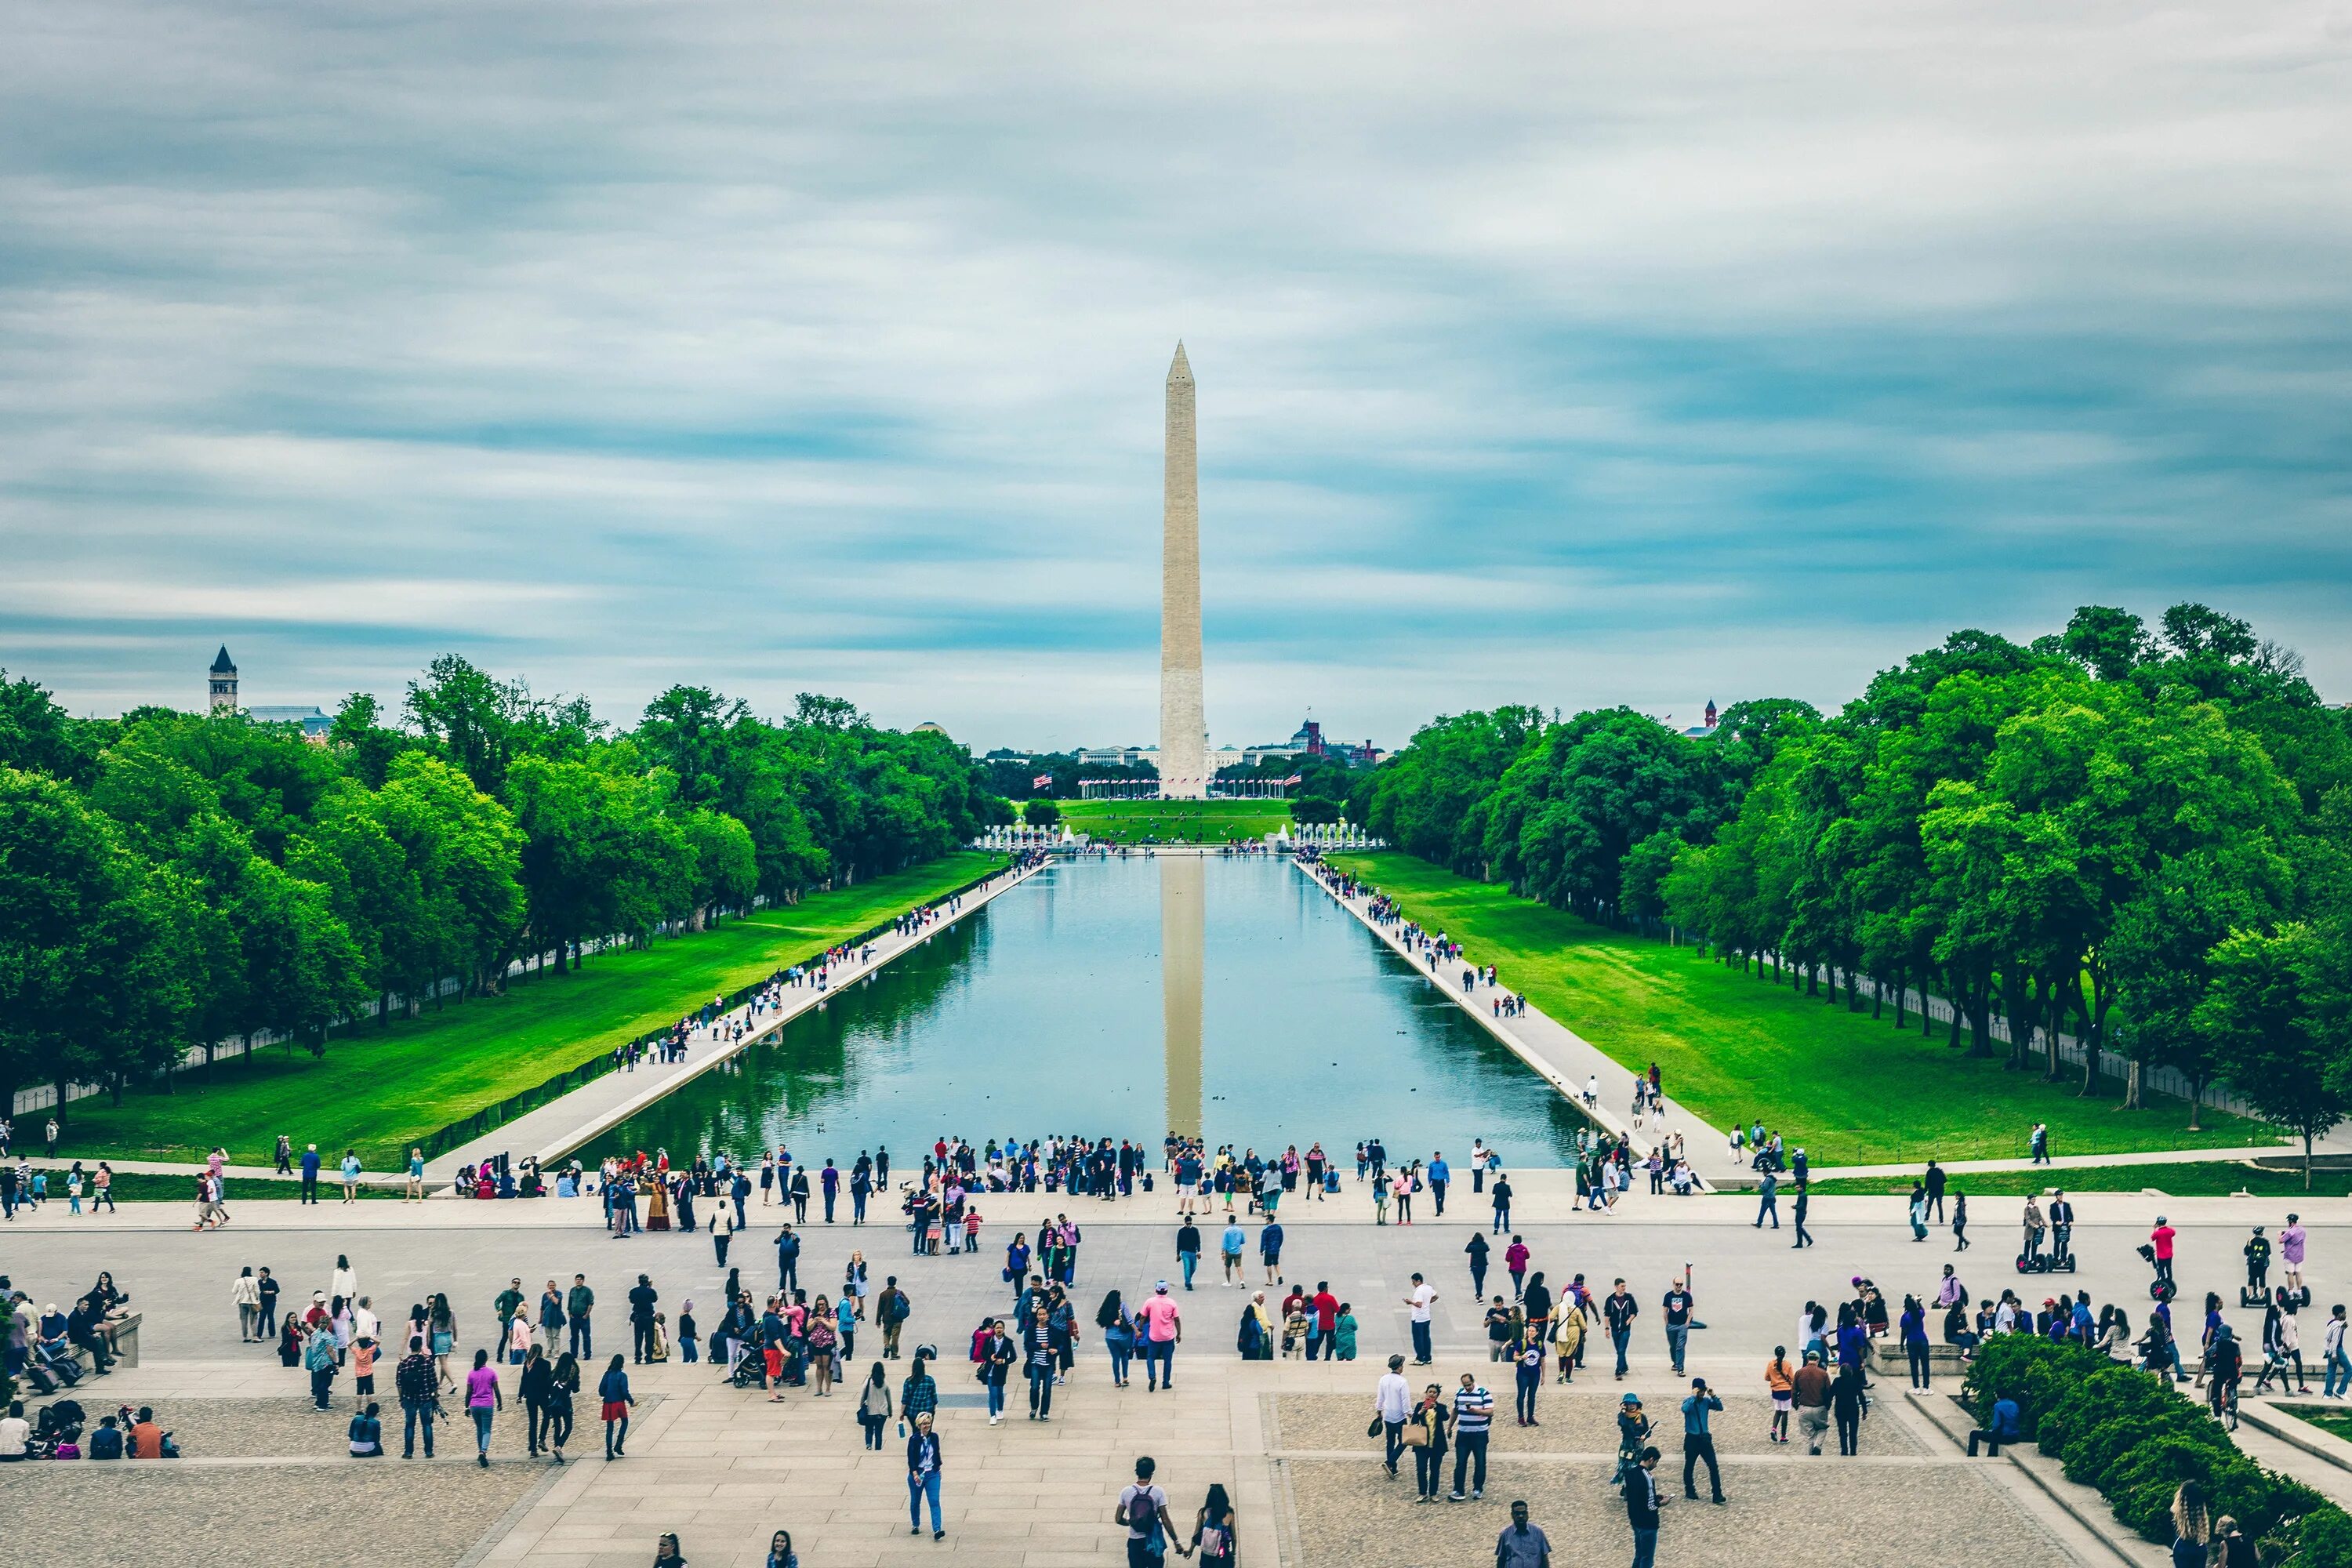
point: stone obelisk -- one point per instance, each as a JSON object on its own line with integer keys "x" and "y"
{"x": 1183, "y": 726}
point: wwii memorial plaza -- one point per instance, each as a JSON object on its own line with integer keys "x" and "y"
{"x": 1723, "y": 935}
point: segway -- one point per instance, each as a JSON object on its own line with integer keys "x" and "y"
{"x": 2159, "y": 1289}
{"x": 2061, "y": 1251}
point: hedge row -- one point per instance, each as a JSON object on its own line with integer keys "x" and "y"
{"x": 2127, "y": 1434}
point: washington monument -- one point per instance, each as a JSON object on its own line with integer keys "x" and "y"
{"x": 1183, "y": 725}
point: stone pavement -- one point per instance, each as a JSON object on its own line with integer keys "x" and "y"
{"x": 724, "y": 1468}
{"x": 562, "y": 1125}
{"x": 1557, "y": 1052}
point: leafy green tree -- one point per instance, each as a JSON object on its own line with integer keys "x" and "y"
{"x": 94, "y": 985}
{"x": 1040, "y": 813}
{"x": 2266, "y": 1012}
{"x": 725, "y": 868}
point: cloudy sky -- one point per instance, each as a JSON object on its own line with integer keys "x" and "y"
{"x": 1568, "y": 355}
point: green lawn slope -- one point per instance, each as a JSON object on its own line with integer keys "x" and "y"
{"x": 1733, "y": 1047}
{"x": 1176, "y": 821}
{"x": 381, "y": 1091}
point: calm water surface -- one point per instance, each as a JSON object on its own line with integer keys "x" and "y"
{"x": 1121, "y": 999}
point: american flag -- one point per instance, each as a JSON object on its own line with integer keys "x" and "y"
{"x": 1043, "y": 780}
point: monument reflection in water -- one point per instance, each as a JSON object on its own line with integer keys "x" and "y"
{"x": 1281, "y": 1020}
{"x": 1183, "y": 916}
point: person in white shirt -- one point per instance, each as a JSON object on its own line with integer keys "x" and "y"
{"x": 347, "y": 1279}
{"x": 364, "y": 1323}
{"x": 1392, "y": 1403}
{"x": 14, "y": 1432}
{"x": 2339, "y": 1368}
{"x": 1419, "y": 1299}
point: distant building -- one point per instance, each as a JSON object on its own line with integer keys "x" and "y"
{"x": 315, "y": 722}
{"x": 1700, "y": 731}
{"x": 1117, "y": 756}
{"x": 224, "y": 682}
{"x": 930, "y": 727}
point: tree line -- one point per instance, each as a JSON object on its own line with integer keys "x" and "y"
{"x": 2139, "y": 836}
{"x": 170, "y": 881}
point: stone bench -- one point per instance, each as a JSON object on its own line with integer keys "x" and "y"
{"x": 1886, "y": 1355}
{"x": 125, "y": 1337}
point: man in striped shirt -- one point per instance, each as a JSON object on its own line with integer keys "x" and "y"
{"x": 1474, "y": 1415}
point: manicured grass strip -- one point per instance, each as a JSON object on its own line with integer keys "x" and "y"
{"x": 380, "y": 1092}
{"x": 2336, "y": 1423}
{"x": 2200, "y": 1179}
{"x": 1849, "y": 1089}
{"x": 1176, "y": 821}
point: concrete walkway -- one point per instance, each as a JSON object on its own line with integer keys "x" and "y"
{"x": 562, "y": 1125}
{"x": 2063, "y": 1162}
{"x": 1563, "y": 1058}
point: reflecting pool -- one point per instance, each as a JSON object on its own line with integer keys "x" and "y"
{"x": 1123, "y": 999}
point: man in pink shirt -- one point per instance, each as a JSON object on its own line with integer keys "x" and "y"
{"x": 1163, "y": 1330}
{"x": 2160, "y": 1239}
{"x": 1515, "y": 1258}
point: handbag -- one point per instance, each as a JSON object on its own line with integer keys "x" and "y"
{"x": 1416, "y": 1434}
{"x": 1374, "y": 1429}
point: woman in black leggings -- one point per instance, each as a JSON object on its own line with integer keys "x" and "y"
{"x": 1846, "y": 1404}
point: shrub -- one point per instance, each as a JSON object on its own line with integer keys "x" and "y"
{"x": 2127, "y": 1433}
{"x": 2036, "y": 1373}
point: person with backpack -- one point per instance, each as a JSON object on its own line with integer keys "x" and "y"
{"x": 1143, "y": 1509}
{"x": 419, "y": 1388}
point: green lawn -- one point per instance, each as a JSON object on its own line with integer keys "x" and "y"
{"x": 1176, "y": 821}
{"x": 2197, "y": 1179}
{"x": 380, "y": 1093}
{"x": 1733, "y": 1047}
{"x": 2331, "y": 1419}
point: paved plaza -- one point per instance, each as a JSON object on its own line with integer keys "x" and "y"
{"x": 726, "y": 1468}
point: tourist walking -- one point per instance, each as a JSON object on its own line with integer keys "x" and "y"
{"x": 1476, "y": 1250}
{"x": 1473, "y": 1417}
{"x": 874, "y": 1406}
{"x": 1143, "y": 1510}
{"x": 1619, "y": 1310}
{"x": 612, "y": 1392}
{"x": 1521, "y": 1544}
{"x": 1698, "y": 1439}
{"x": 1425, "y": 1433}
{"x": 924, "y": 1459}
{"x": 1392, "y": 1406}
{"x": 1643, "y": 1503}
{"x": 1163, "y": 1329}
{"x": 419, "y": 1388}
{"x": 581, "y": 1301}
{"x": 1767, "y": 1200}
{"x": 531, "y": 1387}
{"x": 484, "y": 1399}
{"x": 1215, "y": 1528}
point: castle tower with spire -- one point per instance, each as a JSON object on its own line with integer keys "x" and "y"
{"x": 224, "y": 682}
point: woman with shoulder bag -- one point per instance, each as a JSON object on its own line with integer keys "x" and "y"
{"x": 1424, "y": 1434}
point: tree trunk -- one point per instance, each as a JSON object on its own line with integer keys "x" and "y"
{"x": 2131, "y": 1085}
{"x": 2307, "y": 1162}
{"x": 2196, "y": 1102}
